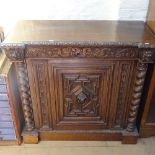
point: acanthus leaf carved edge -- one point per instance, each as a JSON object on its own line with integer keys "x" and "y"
{"x": 20, "y": 51}
{"x": 81, "y": 52}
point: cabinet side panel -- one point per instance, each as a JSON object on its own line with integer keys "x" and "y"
{"x": 18, "y": 116}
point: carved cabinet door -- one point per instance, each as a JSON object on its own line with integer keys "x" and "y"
{"x": 84, "y": 94}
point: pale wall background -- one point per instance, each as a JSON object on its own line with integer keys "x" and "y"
{"x": 12, "y": 10}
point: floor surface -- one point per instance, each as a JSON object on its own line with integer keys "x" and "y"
{"x": 143, "y": 147}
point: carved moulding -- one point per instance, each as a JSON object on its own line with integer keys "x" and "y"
{"x": 89, "y": 43}
{"x": 81, "y": 52}
{"x": 17, "y": 52}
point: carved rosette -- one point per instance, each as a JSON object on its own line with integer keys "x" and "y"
{"x": 25, "y": 95}
{"x": 136, "y": 97}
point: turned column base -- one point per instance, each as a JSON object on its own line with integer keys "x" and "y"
{"x": 130, "y": 137}
{"x": 30, "y": 137}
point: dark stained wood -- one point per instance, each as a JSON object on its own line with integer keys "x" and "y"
{"x": 80, "y": 80}
{"x": 91, "y": 113}
{"x": 104, "y": 31}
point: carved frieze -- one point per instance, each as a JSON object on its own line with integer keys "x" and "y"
{"x": 19, "y": 53}
{"x": 82, "y": 52}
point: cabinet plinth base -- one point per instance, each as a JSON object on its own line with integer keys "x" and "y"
{"x": 30, "y": 137}
{"x": 91, "y": 135}
{"x": 130, "y": 137}
{"x": 147, "y": 132}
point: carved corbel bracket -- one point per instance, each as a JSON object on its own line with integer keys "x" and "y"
{"x": 147, "y": 56}
{"x": 15, "y": 52}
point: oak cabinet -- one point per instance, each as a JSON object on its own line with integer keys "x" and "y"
{"x": 80, "y": 80}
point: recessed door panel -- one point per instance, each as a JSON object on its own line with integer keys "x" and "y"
{"x": 82, "y": 94}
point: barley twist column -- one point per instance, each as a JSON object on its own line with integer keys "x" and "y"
{"x": 136, "y": 97}
{"x": 25, "y": 95}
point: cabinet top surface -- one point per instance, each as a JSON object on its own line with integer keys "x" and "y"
{"x": 48, "y": 31}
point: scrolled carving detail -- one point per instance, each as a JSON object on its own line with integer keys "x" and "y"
{"x": 25, "y": 95}
{"x": 15, "y": 53}
{"x": 136, "y": 97}
{"x": 82, "y": 52}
